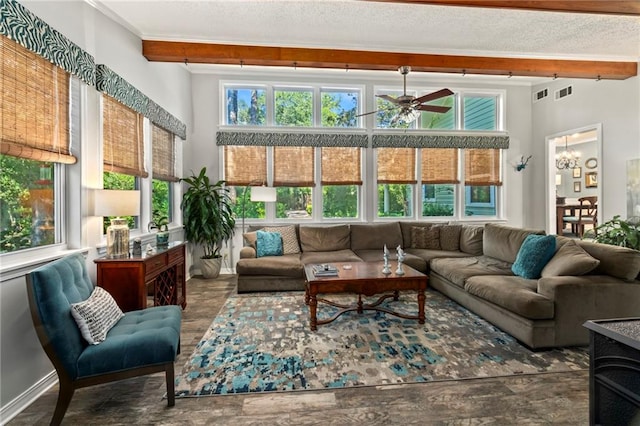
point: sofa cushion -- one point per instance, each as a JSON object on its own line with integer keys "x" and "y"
{"x": 425, "y": 237}
{"x": 405, "y": 229}
{"x": 325, "y": 238}
{"x": 619, "y": 262}
{"x": 128, "y": 342}
{"x": 288, "y": 265}
{"x": 268, "y": 244}
{"x": 96, "y": 315}
{"x": 373, "y": 236}
{"x": 289, "y": 238}
{"x": 515, "y": 294}
{"x": 570, "y": 259}
{"x": 534, "y": 254}
{"x": 471, "y": 239}
{"x": 334, "y": 256}
{"x": 250, "y": 238}
{"x": 503, "y": 242}
{"x": 434, "y": 254}
{"x": 458, "y": 270}
{"x": 450, "y": 237}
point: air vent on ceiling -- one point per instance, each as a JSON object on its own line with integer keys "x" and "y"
{"x": 541, "y": 94}
{"x": 564, "y": 92}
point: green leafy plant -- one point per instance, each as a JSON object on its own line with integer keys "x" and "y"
{"x": 207, "y": 213}
{"x": 617, "y": 232}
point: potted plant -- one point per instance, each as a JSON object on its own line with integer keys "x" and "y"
{"x": 160, "y": 223}
{"x": 617, "y": 232}
{"x": 208, "y": 219}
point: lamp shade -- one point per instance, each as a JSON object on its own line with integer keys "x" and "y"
{"x": 115, "y": 202}
{"x": 263, "y": 193}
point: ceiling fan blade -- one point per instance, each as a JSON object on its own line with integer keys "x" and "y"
{"x": 432, "y": 108}
{"x": 367, "y": 113}
{"x": 388, "y": 98}
{"x": 433, "y": 96}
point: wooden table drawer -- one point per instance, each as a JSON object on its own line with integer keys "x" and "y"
{"x": 175, "y": 255}
{"x": 155, "y": 264}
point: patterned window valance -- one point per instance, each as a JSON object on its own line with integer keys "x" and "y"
{"x": 440, "y": 141}
{"x": 118, "y": 88}
{"x": 292, "y": 139}
{"x": 31, "y": 32}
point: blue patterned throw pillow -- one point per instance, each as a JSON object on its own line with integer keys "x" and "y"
{"x": 268, "y": 244}
{"x": 535, "y": 252}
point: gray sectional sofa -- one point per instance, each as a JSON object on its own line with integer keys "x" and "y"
{"x": 472, "y": 265}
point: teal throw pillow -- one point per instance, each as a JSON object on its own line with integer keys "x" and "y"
{"x": 535, "y": 252}
{"x": 268, "y": 244}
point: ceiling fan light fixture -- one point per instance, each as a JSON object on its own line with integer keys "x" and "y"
{"x": 406, "y": 116}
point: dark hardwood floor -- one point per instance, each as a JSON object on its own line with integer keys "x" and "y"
{"x": 540, "y": 399}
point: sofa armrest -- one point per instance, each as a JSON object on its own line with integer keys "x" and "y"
{"x": 247, "y": 253}
{"x": 588, "y": 297}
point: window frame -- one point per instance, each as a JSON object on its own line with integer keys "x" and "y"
{"x": 367, "y": 192}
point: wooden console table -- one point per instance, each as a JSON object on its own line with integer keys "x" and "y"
{"x": 155, "y": 279}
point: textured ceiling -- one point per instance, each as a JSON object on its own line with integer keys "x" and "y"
{"x": 379, "y": 26}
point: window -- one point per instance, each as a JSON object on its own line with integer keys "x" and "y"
{"x": 440, "y": 121}
{"x": 246, "y": 106}
{"x": 35, "y": 142}
{"x": 244, "y": 166}
{"x": 482, "y": 177}
{"x": 122, "y": 149}
{"x": 339, "y": 108}
{"x": 396, "y": 176}
{"x": 163, "y": 166}
{"x": 439, "y": 176}
{"x": 341, "y": 181}
{"x": 480, "y": 112}
{"x": 294, "y": 107}
{"x": 293, "y": 174}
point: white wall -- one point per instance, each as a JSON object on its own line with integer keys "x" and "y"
{"x": 24, "y": 369}
{"x": 207, "y": 92}
{"x": 613, "y": 104}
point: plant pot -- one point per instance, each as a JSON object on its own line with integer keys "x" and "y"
{"x": 162, "y": 239}
{"x": 210, "y": 268}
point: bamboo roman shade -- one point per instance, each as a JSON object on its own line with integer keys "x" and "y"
{"x": 244, "y": 165}
{"x": 34, "y": 106}
{"x": 123, "y": 148}
{"x": 164, "y": 155}
{"x": 396, "y": 165}
{"x": 439, "y": 165}
{"x": 341, "y": 166}
{"x": 482, "y": 167}
{"x": 293, "y": 166}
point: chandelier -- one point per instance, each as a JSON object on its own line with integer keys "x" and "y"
{"x": 567, "y": 159}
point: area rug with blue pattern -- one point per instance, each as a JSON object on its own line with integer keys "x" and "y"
{"x": 262, "y": 342}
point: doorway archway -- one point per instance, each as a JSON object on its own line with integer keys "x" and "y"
{"x": 572, "y": 183}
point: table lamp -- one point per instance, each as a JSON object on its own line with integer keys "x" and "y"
{"x": 111, "y": 202}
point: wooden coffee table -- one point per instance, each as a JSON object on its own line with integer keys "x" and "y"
{"x": 364, "y": 278}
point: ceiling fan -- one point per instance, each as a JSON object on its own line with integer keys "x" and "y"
{"x": 409, "y": 107}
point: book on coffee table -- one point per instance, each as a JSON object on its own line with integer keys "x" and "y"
{"x": 325, "y": 270}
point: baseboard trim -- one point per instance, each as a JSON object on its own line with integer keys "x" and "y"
{"x": 26, "y": 398}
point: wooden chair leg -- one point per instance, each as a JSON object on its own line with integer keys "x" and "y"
{"x": 64, "y": 398}
{"x": 171, "y": 386}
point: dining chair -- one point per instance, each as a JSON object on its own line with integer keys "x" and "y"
{"x": 587, "y": 215}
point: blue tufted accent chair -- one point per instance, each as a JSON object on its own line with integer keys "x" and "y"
{"x": 142, "y": 342}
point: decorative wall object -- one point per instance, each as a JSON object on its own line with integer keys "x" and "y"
{"x": 591, "y": 180}
{"x": 577, "y": 172}
{"x": 591, "y": 163}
